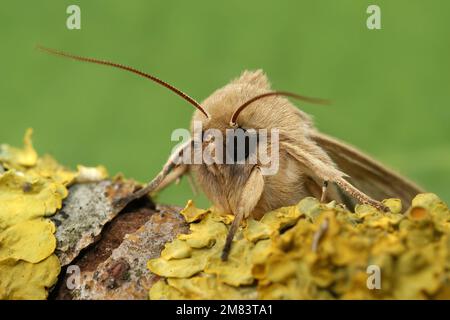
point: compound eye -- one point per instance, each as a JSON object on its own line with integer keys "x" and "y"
{"x": 240, "y": 145}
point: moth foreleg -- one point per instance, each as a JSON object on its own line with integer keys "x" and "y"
{"x": 231, "y": 232}
{"x": 172, "y": 163}
{"x": 248, "y": 199}
{"x": 173, "y": 177}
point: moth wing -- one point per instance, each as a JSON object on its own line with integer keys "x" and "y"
{"x": 366, "y": 174}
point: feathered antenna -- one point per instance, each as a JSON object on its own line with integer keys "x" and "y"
{"x": 123, "y": 67}
{"x": 235, "y": 115}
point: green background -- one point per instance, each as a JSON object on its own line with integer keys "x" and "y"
{"x": 389, "y": 87}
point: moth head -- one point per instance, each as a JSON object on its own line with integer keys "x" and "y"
{"x": 248, "y": 102}
{"x": 238, "y": 106}
{"x": 241, "y": 108}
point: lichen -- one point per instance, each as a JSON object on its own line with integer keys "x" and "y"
{"x": 31, "y": 189}
{"x": 312, "y": 251}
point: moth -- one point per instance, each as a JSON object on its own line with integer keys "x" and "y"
{"x": 310, "y": 163}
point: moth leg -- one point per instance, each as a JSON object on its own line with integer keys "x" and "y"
{"x": 230, "y": 236}
{"x": 324, "y": 191}
{"x": 172, "y": 163}
{"x": 173, "y": 177}
{"x": 192, "y": 184}
{"x": 251, "y": 193}
{"x": 359, "y": 195}
{"x": 327, "y": 172}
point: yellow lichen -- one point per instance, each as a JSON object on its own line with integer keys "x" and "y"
{"x": 23, "y": 197}
{"x": 24, "y": 280}
{"x": 11, "y": 157}
{"x": 191, "y": 213}
{"x": 31, "y": 189}
{"x": 91, "y": 174}
{"x": 313, "y": 251}
{"x": 30, "y": 240}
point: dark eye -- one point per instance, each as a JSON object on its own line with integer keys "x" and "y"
{"x": 242, "y": 145}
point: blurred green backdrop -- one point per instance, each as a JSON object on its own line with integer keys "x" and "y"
{"x": 390, "y": 87}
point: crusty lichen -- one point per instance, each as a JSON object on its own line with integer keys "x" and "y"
{"x": 312, "y": 251}
{"x": 308, "y": 251}
{"x": 32, "y": 189}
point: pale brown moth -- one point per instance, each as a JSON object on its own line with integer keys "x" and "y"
{"x": 310, "y": 163}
